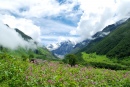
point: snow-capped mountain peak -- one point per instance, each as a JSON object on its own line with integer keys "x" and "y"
{"x": 61, "y": 48}
{"x": 53, "y": 46}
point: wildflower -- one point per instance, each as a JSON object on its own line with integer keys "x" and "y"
{"x": 86, "y": 77}
{"x": 68, "y": 65}
{"x": 61, "y": 79}
{"x": 50, "y": 81}
{"x": 26, "y": 77}
{"x": 76, "y": 65}
{"x": 83, "y": 69}
{"x": 30, "y": 68}
{"x": 93, "y": 83}
{"x": 126, "y": 75}
{"x": 42, "y": 68}
{"x": 51, "y": 64}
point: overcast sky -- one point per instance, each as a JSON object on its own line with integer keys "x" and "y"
{"x": 51, "y": 21}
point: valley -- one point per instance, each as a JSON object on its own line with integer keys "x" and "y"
{"x": 65, "y": 43}
{"x": 89, "y": 67}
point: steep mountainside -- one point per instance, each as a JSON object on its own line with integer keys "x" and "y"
{"x": 63, "y": 48}
{"x": 80, "y": 45}
{"x": 66, "y": 47}
{"x": 24, "y": 36}
{"x": 116, "y": 44}
{"x": 97, "y": 36}
{"x": 36, "y": 51}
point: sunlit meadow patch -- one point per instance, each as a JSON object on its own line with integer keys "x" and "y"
{"x": 18, "y": 73}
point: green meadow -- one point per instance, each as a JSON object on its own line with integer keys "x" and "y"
{"x": 14, "y": 72}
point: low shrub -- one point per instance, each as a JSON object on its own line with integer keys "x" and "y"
{"x": 108, "y": 66}
{"x": 70, "y": 59}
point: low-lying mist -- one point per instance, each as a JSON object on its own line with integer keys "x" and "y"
{"x": 9, "y": 38}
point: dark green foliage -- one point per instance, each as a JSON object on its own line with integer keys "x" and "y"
{"x": 36, "y": 51}
{"x": 122, "y": 49}
{"x": 11, "y": 71}
{"x": 80, "y": 59}
{"x": 1, "y": 48}
{"x": 4, "y": 56}
{"x": 126, "y": 83}
{"x": 108, "y": 66}
{"x": 24, "y": 57}
{"x": 31, "y": 56}
{"x": 70, "y": 59}
{"x": 24, "y": 36}
{"x": 116, "y": 44}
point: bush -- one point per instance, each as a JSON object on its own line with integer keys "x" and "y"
{"x": 25, "y": 58}
{"x": 31, "y": 56}
{"x": 70, "y": 59}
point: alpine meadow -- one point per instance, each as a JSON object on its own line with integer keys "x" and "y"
{"x": 65, "y": 43}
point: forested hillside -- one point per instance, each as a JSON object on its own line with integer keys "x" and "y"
{"x": 116, "y": 44}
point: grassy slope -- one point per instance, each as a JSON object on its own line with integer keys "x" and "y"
{"x": 116, "y": 44}
{"x": 14, "y": 73}
{"x": 40, "y": 53}
{"x": 101, "y": 61}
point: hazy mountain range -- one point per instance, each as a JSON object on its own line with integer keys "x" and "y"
{"x": 66, "y": 47}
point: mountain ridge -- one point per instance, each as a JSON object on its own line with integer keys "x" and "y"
{"x": 34, "y": 49}
{"x": 116, "y": 44}
{"x": 63, "y": 48}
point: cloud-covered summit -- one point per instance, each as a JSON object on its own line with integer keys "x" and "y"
{"x": 9, "y": 38}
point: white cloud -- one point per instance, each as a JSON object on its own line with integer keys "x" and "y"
{"x": 9, "y": 38}
{"x": 73, "y": 32}
{"x": 123, "y": 9}
{"x": 98, "y": 14}
{"x": 73, "y": 39}
{"x": 22, "y": 13}
{"x": 24, "y": 25}
{"x": 37, "y": 8}
{"x": 49, "y": 26}
{"x": 57, "y": 39}
{"x": 55, "y": 31}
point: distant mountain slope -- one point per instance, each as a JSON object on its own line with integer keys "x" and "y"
{"x": 35, "y": 50}
{"x": 116, "y": 44}
{"x": 24, "y": 36}
{"x": 80, "y": 45}
{"x": 63, "y": 48}
{"x": 97, "y": 36}
{"x": 66, "y": 47}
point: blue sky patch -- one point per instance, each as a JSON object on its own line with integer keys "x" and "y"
{"x": 23, "y": 9}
